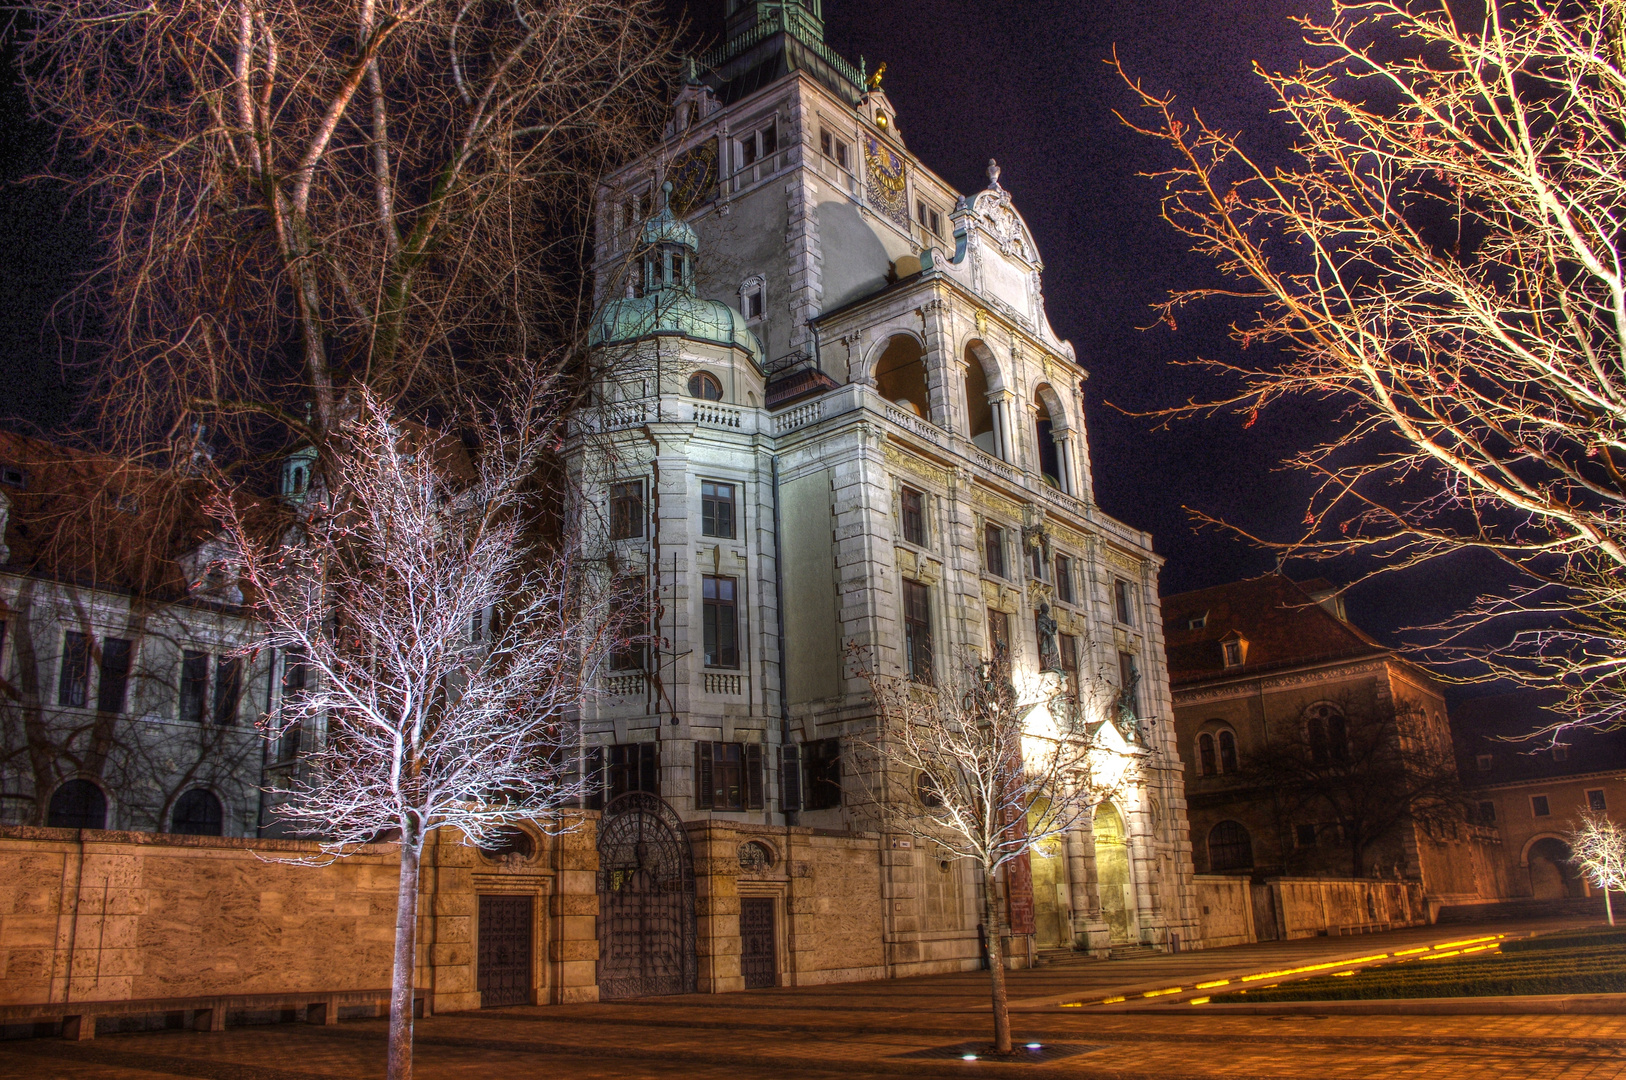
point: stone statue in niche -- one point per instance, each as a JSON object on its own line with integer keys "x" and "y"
{"x": 1049, "y": 653}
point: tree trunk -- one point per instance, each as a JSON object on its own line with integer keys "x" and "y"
{"x": 406, "y": 956}
{"x": 996, "y": 965}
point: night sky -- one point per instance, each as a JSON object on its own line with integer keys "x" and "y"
{"x": 1026, "y": 82}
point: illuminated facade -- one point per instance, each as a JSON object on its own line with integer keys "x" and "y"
{"x": 835, "y": 412}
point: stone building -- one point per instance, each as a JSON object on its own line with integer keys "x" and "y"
{"x": 122, "y": 702}
{"x": 834, "y": 411}
{"x": 1532, "y": 788}
{"x": 1266, "y": 664}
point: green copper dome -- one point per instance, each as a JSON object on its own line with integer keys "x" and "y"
{"x": 668, "y": 304}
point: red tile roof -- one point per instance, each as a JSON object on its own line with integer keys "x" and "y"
{"x": 1283, "y": 627}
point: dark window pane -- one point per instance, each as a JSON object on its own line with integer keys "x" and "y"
{"x": 194, "y": 685}
{"x": 917, "y": 631}
{"x": 770, "y": 140}
{"x": 790, "y": 778}
{"x": 1596, "y": 802}
{"x": 114, "y": 677}
{"x": 1129, "y": 681}
{"x": 719, "y": 779}
{"x": 912, "y": 504}
{"x": 753, "y": 776}
{"x": 75, "y": 672}
{"x": 631, "y": 614}
{"x": 1205, "y": 753}
{"x": 823, "y": 767}
{"x": 631, "y": 768}
{"x": 999, "y": 633}
{"x": 228, "y": 689}
{"x": 198, "y": 813}
{"x": 993, "y": 546}
{"x": 717, "y": 509}
{"x": 1123, "y": 601}
{"x": 1487, "y": 813}
{"x": 706, "y": 387}
{"x": 1227, "y": 752}
{"x": 719, "y": 622}
{"x": 627, "y": 510}
{"x": 1229, "y": 847}
{"x": 78, "y": 804}
{"x": 1064, "y": 579}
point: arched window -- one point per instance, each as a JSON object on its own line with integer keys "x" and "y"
{"x": 703, "y": 384}
{"x": 979, "y": 414}
{"x": 1045, "y": 436}
{"x": 198, "y": 813}
{"x": 1205, "y": 755}
{"x": 78, "y": 804}
{"x": 1328, "y": 734}
{"x": 900, "y": 375}
{"x": 1227, "y": 751}
{"x": 1229, "y": 847}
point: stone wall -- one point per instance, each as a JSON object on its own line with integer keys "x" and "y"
{"x": 1224, "y": 910}
{"x": 110, "y": 916}
{"x": 1309, "y": 907}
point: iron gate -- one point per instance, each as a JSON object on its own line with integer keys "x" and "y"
{"x": 504, "y": 972}
{"x": 646, "y": 941}
{"x": 757, "y": 960}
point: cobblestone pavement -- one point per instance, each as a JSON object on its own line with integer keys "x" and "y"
{"x": 868, "y": 1029}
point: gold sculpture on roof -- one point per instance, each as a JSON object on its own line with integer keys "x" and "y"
{"x": 875, "y": 79}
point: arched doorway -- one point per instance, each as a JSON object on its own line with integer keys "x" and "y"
{"x": 1052, "y": 914}
{"x": 1552, "y": 876}
{"x": 646, "y": 932}
{"x": 1114, "y": 883}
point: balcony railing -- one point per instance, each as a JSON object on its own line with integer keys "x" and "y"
{"x": 724, "y": 685}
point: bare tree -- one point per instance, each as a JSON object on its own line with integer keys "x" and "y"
{"x": 1442, "y": 254}
{"x": 1599, "y": 852}
{"x": 299, "y": 196}
{"x": 434, "y": 716}
{"x": 984, "y": 771}
{"x": 1366, "y": 771}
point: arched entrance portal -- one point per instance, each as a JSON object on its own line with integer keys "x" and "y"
{"x": 1113, "y": 881}
{"x": 646, "y": 942}
{"x": 1552, "y": 875}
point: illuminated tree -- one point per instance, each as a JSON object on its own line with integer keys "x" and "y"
{"x": 449, "y": 652}
{"x": 1442, "y": 255}
{"x": 979, "y": 770}
{"x": 1598, "y": 848}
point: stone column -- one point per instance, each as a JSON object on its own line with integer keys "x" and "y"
{"x": 1083, "y": 896}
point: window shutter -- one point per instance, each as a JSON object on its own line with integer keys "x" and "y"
{"x": 594, "y": 771}
{"x": 702, "y": 776}
{"x": 648, "y": 776}
{"x": 753, "y": 776}
{"x": 790, "y": 778}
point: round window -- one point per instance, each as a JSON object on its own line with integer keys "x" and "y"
{"x": 703, "y": 384}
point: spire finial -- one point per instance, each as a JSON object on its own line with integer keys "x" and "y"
{"x": 993, "y": 175}
{"x": 666, "y": 195}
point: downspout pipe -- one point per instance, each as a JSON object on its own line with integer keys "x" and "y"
{"x": 779, "y": 596}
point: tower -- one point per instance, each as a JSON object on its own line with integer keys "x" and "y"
{"x": 835, "y": 412}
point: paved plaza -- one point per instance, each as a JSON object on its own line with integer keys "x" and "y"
{"x": 893, "y": 1029}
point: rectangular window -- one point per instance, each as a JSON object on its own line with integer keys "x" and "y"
{"x": 790, "y": 778}
{"x": 194, "y": 685}
{"x": 728, "y": 776}
{"x": 1596, "y": 802}
{"x": 1233, "y": 653}
{"x": 823, "y": 771}
{"x": 1037, "y": 561}
{"x": 999, "y": 633}
{"x": 1482, "y": 762}
{"x": 295, "y": 674}
{"x": 751, "y": 300}
{"x": 228, "y": 689}
{"x": 627, "y": 510}
{"x": 912, "y": 509}
{"x": 717, "y": 509}
{"x": 1561, "y": 752}
{"x": 834, "y": 150}
{"x": 1539, "y": 807}
{"x": 1123, "y": 599}
{"x": 759, "y": 144}
{"x": 993, "y": 549}
{"x": 114, "y": 678}
{"x": 917, "y": 631}
{"x": 1067, "y": 645}
{"x": 630, "y": 610}
{"x": 1064, "y": 579}
{"x": 929, "y": 219}
{"x": 1304, "y": 835}
{"x": 1129, "y": 681}
{"x": 720, "y": 621}
{"x": 1487, "y": 813}
{"x": 630, "y": 767}
{"x": 71, "y": 680}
